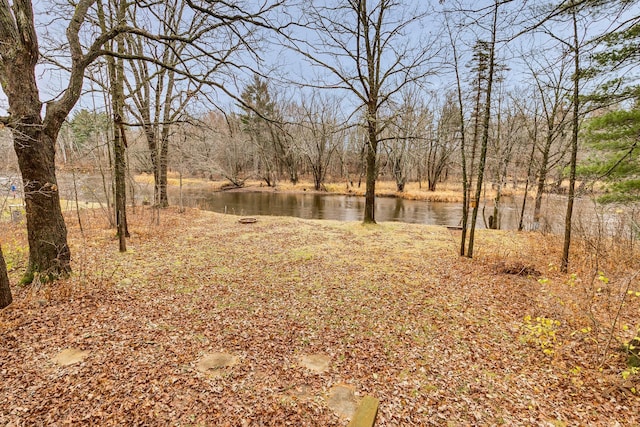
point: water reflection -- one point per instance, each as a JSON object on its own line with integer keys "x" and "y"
{"x": 326, "y": 206}
{"x": 587, "y": 218}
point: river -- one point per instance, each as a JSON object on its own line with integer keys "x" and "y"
{"x": 351, "y": 208}
{"x": 587, "y": 215}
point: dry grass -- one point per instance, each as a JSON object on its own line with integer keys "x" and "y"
{"x": 437, "y": 338}
{"x": 445, "y": 192}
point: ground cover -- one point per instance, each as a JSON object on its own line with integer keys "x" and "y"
{"x": 207, "y": 321}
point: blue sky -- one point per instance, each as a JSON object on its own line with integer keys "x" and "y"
{"x": 284, "y": 66}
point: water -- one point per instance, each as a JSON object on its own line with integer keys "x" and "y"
{"x": 588, "y": 218}
{"x": 338, "y": 207}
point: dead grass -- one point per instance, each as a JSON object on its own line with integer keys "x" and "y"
{"x": 445, "y": 192}
{"x": 437, "y": 338}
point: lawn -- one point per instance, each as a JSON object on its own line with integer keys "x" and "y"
{"x": 209, "y": 322}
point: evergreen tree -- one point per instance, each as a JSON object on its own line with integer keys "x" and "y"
{"x": 614, "y": 136}
{"x": 259, "y": 110}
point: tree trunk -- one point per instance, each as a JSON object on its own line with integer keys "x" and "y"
{"x": 119, "y": 146}
{"x": 150, "y": 136}
{"x": 34, "y": 144}
{"x": 120, "y": 170}
{"x": 372, "y": 172}
{"x": 162, "y": 176}
{"x": 542, "y": 178}
{"x": 574, "y": 148}
{"x": 163, "y": 155}
{"x": 528, "y": 181}
{"x": 49, "y": 253}
{"x": 5, "y": 289}
{"x": 485, "y": 132}
{"x": 463, "y": 154}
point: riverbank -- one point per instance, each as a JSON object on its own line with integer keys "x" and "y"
{"x": 445, "y": 192}
{"x": 207, "y": 321}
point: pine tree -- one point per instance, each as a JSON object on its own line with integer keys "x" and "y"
{"x": 615, "y": 135}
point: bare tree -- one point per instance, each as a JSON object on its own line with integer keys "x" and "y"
{"x": 466, "y": 185}
{"x": 508, "y": 137}
{"x": 34, "y": 134}
{"x": 575, "y": 128}
{"x": 361, "y": 45}
{"x": 441, "y": 148}
{"x": 321, "y": 134}
{"x": 158, "y": 93}
{"x": 573, "y": 51}
{"x": 530, "y": 116}
{"x": 410, "y": 133}
{"x": 550, "y": 78}
{"x": 116, "y": 74}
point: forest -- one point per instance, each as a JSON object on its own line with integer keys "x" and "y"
{"x": 121, "y": 306}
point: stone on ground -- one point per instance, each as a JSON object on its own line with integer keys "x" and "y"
{"x": 69, "y": 356}
{"x": 214, "y": 363}
{"x": 317, "y": 363}
{"x": 342, "y": 401}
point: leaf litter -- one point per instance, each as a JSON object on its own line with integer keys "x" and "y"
{"x": 207, "y": 321}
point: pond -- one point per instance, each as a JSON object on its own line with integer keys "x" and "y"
{"x": 587, "y": 215}
{"x": 338, "y": 207}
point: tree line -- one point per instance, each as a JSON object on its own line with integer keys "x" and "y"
{"x": 414, "y": 92}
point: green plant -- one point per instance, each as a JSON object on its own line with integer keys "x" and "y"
{"x": 16, "y": 257}
{"x": 630, "y": 372}
{"x": 632, "y": 348}
{"x": 540, "y": 332}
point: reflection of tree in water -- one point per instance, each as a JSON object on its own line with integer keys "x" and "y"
{"x": 440, "y": 213}
{"x": 318, "y": 207}
{"x": 398, "y": 208}
{"x": 350, "y": 208}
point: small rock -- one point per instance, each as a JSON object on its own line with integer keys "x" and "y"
{"x": 215, "y": 362}
{"x": 342, "y": 401}
{"x": 318, "y": 363}
{"x": 69, "y": 356}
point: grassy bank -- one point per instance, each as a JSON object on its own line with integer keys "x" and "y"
{"x": 503, "y": 339}
{"x": 445, "y": 192}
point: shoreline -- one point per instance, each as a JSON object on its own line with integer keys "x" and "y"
{"x": 445, "y": 193}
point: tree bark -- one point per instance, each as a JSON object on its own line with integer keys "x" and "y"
{"x": 372, "y": 166}
{"x": 564, "y": 264}
{"x": 120, "y": 171}
{"x": 49, "y": 252}
{"x": 34, "y": 142}
{"x": 542, "y": 175}
{"x": 485, "y": 133}
{"x": 534, "y": 137}
{"x": 115, "y": 69}
{"x": 5, "y": 289}
{"x": 463, "y": 141}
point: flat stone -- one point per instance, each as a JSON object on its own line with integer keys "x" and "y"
{"x": 318, "y": 363}
{"x": 215, "y": 362}
{"x": 342, "y": 401}
{"x": 69, "y": 356}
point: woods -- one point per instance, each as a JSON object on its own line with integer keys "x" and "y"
{"x": 167, "y": 64}
{"x": 166, "y": 70}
